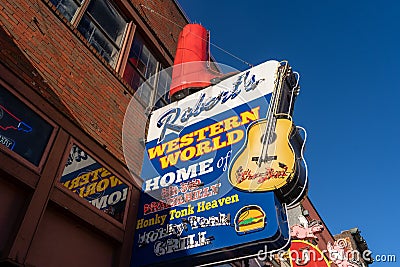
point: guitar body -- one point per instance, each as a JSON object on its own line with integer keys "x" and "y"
{"x": 278, "y": 160}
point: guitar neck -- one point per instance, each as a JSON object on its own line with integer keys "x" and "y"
{"x": 273, "y": 108}
{"x": 272, "y": 112}
{"x": 288, "y": 91}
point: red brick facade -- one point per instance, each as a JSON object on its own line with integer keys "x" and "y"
{"x": 90, "y": 92}
{"x": 47, "y": 63}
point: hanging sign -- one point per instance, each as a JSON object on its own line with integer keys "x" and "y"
{"x": 200, "y": 203}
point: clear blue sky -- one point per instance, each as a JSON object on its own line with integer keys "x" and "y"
{"x": 347, "y": 53}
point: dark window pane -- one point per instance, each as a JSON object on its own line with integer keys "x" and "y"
{"x": 162, "y": 87}
{"x": 136, "y": 49}
{"x": 21, "y": 129}
{"x": 132, "y": 77}
{"x": 104, "y": 28}
{"x": 67, "y": 7}
{"x": 144, "y": 92}
{"x": 160, "y": 103}
{"x": 164, "y": 81}
{"x": 98, "y": 40}
{"x": 142, "y": 60}
{"x": 92, "y": 181}
{"x": 141, "y": 57}
{"x": 108, "y": 19}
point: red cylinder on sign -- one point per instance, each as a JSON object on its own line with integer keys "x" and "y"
{"x": 191, "y": 70}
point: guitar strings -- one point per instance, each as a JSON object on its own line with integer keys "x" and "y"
{"x": 270, "y": 114}
{"x": 267, "y": 133}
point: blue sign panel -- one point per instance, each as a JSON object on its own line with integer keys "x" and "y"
{"x": 200, "y": 204}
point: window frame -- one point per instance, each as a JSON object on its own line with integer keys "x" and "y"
{"x": 73, "y": 141}
{"x": 35, "y": 168}
{"x": 126, "y": 39}
{"x": 83, "y": 10}
{"x": 123, "y": 53}
{"x": 153, "y": 92}
{"x": 159, "y": 67}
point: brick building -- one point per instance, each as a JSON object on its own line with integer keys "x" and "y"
{"x": 68, "y": 70}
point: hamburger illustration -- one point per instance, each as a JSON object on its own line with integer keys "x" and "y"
{"x": 249, "y": 219}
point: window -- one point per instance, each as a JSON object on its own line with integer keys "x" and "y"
{"x": 163, "y": 84}
{"x": 100, "y": 23}
{"x": 142, "y": 65}
{"x": 141, "y": 58}
{"x": 67, "y": 7}
{"x": 104, "y": 28}
{"x": 21, "y": 129}
{"x": 92, "y": 181}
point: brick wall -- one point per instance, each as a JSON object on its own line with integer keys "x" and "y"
{"x": 47, "y": 62}
{"x": 75, "y": 80}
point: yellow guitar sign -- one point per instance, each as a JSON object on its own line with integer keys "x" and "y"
{"x": 270, "y": 157}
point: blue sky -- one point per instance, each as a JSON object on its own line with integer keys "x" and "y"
{"x": 348, "y": 55}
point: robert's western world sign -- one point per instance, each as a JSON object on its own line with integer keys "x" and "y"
{"x": 207, "y": 197}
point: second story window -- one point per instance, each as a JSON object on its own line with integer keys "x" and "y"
{"x": 142, "y": 65}
{"x": 163, "y": 84}
{"x": 104, "y": 28}
{"x": 109, "y": 32}
{"x": 67, "y": 7}
{"x": 99, "y": 22}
